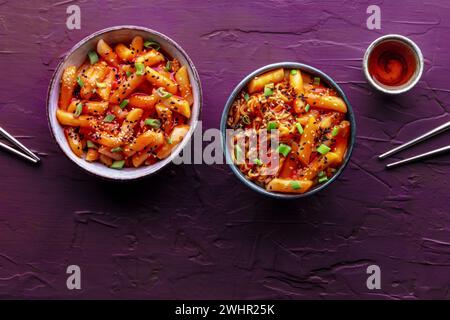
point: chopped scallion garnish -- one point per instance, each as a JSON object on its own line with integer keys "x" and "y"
{"x": 78, "y": 110}
{"x": 115, "y": 150}
{"x": 124, "y": 103}
{"x": 268, "y": 89}
{"x": 153, "y": 44}
{"x": 238, "y": 153}
{"x": 323, "y": 149}
{"x": 271, "y": 126}
{"x": 128, "y": 73}
{"x": 284, "y": 149}
{"x": 163, "y": 93}
{"x": 154, "y": 123}
{"x": 293, "y": 72}
{"x": 118, "y": 164}
{"x": 246, "y": 96}
{"x": 140, "y": 68}
{"x": 258, "y": 162}
{"x": 168, "y": 66}
{"x": 316, "y": 81}
{"x": 295, "y": 185}
{"x": 323, "y": 179}
{"x": 321, "y": 174}
{"x": 91, "y": 145}
{"x": 93, "y": 57}
{"x": 307, "y": 107}
{"x": 245, "y": 119}
{"x": 101, "y": 84}
{"x": 80, "y": 82}
{"x": 335, "y": 131}
{"x": 169, "y": 140}
{"x": 299, "y": 128}
{"x": 109, "y": 118}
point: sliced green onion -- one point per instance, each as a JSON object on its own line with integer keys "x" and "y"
{"x": 323, "y": 149}
{"x": 258, "y": 162}
{"x": 238, "y": 152}
{"x": 293, "y": 72}
{"x": 169, "y": 140}
{"x": 153, "y": 44}
{"x": 295, "y": 185}
{"x": 299, "y": 128}
{"x": 284, "y": 149}
{"x": 168, "y": 66}
{"x": 245, "y": 119}
{"x": 118, "y": 164}
{"x": 128, "y": 73}
{"x": 271, "y": 126}
{"x": 124, "y": 103}
{"x": 91, "y": 145}
{"x": 109, "y": 118}
{"x": 140, "y": 68}
{"x": 323, "y": 179}
{"x": 118, "y": 149}
{"x": 268, "y": 89}
{"x": 78, "y": 110}
{"x": 101, "y": 84}
{"x": 321, "y": 174}
{"x": 163, "y": 93}
{"x": 316, "y": 81}
{"x": 80, "y": 82}
{"x": 335, "y": 131}
{"x": 307, "y": 107}
{"x": 93, "y": 57}
{"x": 154, "y": 123}
{"x": 246, "y": 96}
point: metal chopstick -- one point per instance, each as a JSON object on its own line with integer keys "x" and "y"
{"x": 419, "y": 157}
{"x": 19, "y": 145}
{"x": 412, "y": 142}
{"x": 20, "y": 154}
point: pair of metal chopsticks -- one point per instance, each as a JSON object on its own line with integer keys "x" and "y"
{"x": 417, "y": 140}
{"x": 26, "y": 154}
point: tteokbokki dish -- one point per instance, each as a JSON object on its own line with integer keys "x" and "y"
{"x": 125, "y": 107}
{"x": 310, "y": 121}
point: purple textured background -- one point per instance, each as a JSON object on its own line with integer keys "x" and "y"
{"x": 194, "y": 231}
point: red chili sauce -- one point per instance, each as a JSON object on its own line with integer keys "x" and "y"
{"x": 392, "y": 63}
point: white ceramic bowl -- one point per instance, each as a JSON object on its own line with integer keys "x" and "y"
{"x": 415, "y": 77}
{"x": 77, "y": 55}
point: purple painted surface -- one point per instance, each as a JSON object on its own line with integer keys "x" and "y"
{"x": 194, "y": 231}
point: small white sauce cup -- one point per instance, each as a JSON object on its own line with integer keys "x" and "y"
{"x": 393, "y": 90}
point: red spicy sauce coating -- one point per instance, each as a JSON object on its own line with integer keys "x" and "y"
{"x": 392, "y": 63}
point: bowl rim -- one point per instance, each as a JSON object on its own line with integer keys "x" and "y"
{"x": 180, "y": 146}
{"x": 416, "y": 76}
{"x": 237, "y": 90}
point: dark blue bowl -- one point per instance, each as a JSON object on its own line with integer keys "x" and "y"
{"x": 288, "y": 65}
